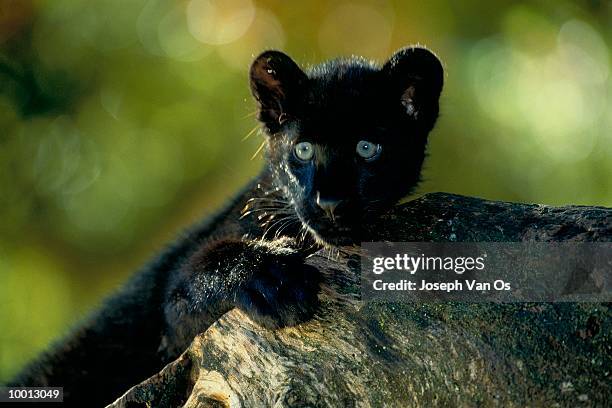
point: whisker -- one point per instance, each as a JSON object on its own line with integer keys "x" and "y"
{"x": 250, "y": 114}
{"x": 266, "y": 199}
{"x": 273, "y": 225}
{"x": 258, "y": 150}
{"x": 266, "y": 211}
{"x": 304, "y": 232}
{"x": 287, "y": 224}
{"x": 272, "y": 208}
{"x": 250, "y": 133}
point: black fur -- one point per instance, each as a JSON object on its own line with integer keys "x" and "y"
{"x": 250, "y": 255}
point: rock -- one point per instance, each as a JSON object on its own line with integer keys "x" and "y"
{"x": 353, "y": 353}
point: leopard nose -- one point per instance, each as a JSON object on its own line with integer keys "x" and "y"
{"x": 328, "y": 205}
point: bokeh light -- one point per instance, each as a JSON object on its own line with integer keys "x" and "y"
{"x": 121, "y": 122}
{"x": 265, "y": 33}
{"x": 219, "y": 21}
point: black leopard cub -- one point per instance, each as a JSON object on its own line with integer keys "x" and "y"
{"x": 345, "y": 141}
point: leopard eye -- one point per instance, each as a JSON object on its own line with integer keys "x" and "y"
{"x": 304, "y": 151}
{"x": 368, "y": 150}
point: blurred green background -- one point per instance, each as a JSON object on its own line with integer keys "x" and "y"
{"x": 121, "y": 122}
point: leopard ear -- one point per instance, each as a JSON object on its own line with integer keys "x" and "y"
{"x": 276, "y": 83}
{"x": 416, "y": 77}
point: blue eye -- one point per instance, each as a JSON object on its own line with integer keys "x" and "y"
{"x": 368, "y": 150}
{"x": 304, "y": 151}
